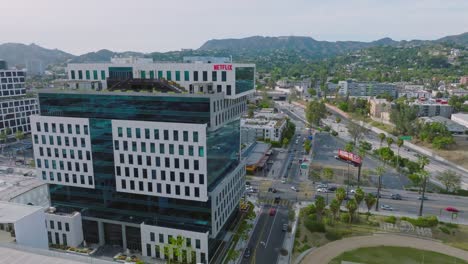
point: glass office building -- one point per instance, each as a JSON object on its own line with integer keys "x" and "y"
{"x": 143, "y": 168}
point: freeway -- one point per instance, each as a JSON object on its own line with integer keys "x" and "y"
{"x": 434, "y": 167}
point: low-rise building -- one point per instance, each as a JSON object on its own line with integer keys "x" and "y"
{"x": 464, "y": 80}
{"x": 436, "y": 107}
{"x": 451, "y": 125}
{"x": 265, "y": 129}
{"x": 63, "y": 228}
{"x": 23, "y": 189}
{"x": 380, "y": 109}
{"x": 353, "y": 88}
{"x": 458, "y": 92}
{"x": 460, "y": 118}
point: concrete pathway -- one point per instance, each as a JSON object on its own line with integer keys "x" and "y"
{"x": 324, "y": 254}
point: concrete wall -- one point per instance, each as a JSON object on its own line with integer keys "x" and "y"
{"x": 31, "y": 231}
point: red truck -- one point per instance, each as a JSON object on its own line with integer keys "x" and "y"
{"x": 349, "y": 157}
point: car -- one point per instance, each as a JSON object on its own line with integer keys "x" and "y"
{"x": 277, "y": 200}
{"x": 386, "y": 207}
{"x": 322, "y": 186}
{"x": 332, "y": 188}
{"x": 285, "y": 227}
{"x": 283, "y": 181}
{"x": 323, "y": 190}
{"x": 281, "y": 151}
{"x": 395, "y": 196}
{"x": 247, "y": 252}
{"x": 274, "y": 190}
{"x": 293, "y": 188}
{"x": 247, "y": 183}
{"x": 425, "y": 198}
{"x": 352, "y": 191}
{"x": 272, "y": 211}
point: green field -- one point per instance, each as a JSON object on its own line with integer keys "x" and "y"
{"x": 391, "y": 255}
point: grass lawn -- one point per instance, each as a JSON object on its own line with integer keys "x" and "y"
{"x": 391, "y": 255}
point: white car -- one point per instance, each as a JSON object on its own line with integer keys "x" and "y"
{"x": 293, "y": 188}
{"x": 323, "y": 190}
{"x": 386, "y": 207}
{"x": 352, "y": 191}
{"x": 283, "y": 181}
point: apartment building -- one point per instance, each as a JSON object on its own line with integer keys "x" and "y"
{"x": 353, "y": 88}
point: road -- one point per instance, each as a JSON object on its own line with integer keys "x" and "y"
{"x": 267, "y": 237}
{"x": 434, "y": 167}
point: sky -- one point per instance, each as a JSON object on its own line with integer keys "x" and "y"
{"x": 82, "y": 26}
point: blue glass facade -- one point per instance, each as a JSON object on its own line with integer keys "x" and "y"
{"x": 245, "y": 79}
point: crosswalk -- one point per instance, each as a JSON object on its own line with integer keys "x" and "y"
{"x": 271, "y": 201}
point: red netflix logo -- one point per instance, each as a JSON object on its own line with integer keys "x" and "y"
{"x": 222, "y": 67}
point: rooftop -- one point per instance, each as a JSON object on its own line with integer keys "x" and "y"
{"x": 12, "y": 212}
{"x": 12, "y": 185}
{"x": 14, "y": 256}
{"x": 463, "y": 116}
{"x": 452, "y": 126}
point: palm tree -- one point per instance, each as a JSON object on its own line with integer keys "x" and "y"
{"x": 370, "y": 201}
{"x": 389, "y": 142}
{"x": 340, "y": 195}
{"x": 319, "y": 207}
{"x": 362, "y": 152}
{"x": 423, "y": 174}
{"x": 380, "y": 171}
{"x": 382, "y": 138}
{"x": 399, "y": 143}
{"x": 351, "y": 205}
{"x": 334, "y": 208}
{"x": 359, "y": 196}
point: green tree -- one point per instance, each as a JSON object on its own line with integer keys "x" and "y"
{"x": 285, "y": 142}
{"x": 319, "y": 207}
{"x": 362, "y": 152}
{"x": 315, "y": 111}
{"x": 450, "y": 179}
{"x": 370, "y": 200}
{"x": 356, "y": 131}
{"x": 424, "y": 175}
{"x": 338, "y": 120}
{"x": 328, "y": 173}
{"x": 340, "y": 195}
{"x": 352, "y": 206}
{"x": 359, "y": 196}
{"x": 400, "y": 143}
{"x": 380, "y": 172}
{"x": 19, "y": 135}
{"x": 422, "y": 161}
{"x": 3, "y": 138}
{"x": 389, "y": 142}
{"x": 382, "y": 138}
{"x": 335, "y": 208}
{"x": 349, "y": 147}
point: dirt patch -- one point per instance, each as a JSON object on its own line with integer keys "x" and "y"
{"x": 457, "y": 154}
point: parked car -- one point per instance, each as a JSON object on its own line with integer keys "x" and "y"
{"x": 386, "y": 207}
{"x": 396, "y": 196}
{"x": 285, "y": 227}
{"x": 352, "y": 191}
{"x": 332, "y": 188}
{"x": 322, "y": 190}
{"x": 283, "y": 180}
{"x": 294, "y": 189}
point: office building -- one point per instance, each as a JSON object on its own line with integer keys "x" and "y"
{"x": 150, "y": 164}
{"x": 15, "y": 105}
{"x": 353, "y": 88}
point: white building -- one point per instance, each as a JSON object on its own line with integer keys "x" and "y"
{"x": 460, "y": 118}
{"x": 265, "y": 129}
{"x": 15, "y": 106}
{"x": 63, "y": 229}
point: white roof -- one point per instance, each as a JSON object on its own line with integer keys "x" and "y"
{"x": 13, "y": 185}
{"x": 12, "y": 212}
{"x": 461, "y": 116}
{"x": 13, "y": 256}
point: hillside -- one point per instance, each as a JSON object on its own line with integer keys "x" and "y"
{"x": 21, "y": 54}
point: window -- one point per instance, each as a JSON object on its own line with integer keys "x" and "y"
{"x": 185, "y": 136}
{"x": 197, "y": 243}
{"x": 59, "y": 225}
{"x": 223, "y": 76}
{"x": 228, "y": 89}
{"x": 147, "y": 133}
{"x": 219, "y": 88}
{"x": 167, "y": 163}
{"x": 177, "y": 190}
{"x": 140, "y": 186}
{"x": 175, "y": 135}
{"x": 51, "y": 224}
{"x": 151, "y": 74}
{"x": 195, "y": 136}
{"x": 158, "y": 188}
{"x": 161, "y": 238}
{"x": 148, "y": 250}
{"x": 177, "y": 76}
{"x": 57, "y": 238}
{"x": 134, "y": 146}
{"x": 138, "y": 132}
{"x": 195, "y": 165}
{"x": 67, "y": 227}
{"x": 205, "y": 76}
{"x": 214, "y": 76}
{"x": 158, "y": 162}
{"x": 166, "y": 134}
{"x": 168, "y": 188}
{"x": 171, "y": 149}
{"x": 125, "y": 145}
{"x": 197, "y": 192}
{"x": 176, "y": 163}
{"x": 161, "y": 148}
{"x": 143, "y": 74}
{"x": 129, "y": 132}
{"x": 153, "y": 174}
{"x": 88, "y": 75}
{"x": 152, "y": 147}
{"x": 124, "y": 184}
{"x": 195, "y": 76}
{"x": 156, "y": 134}
{"x": 186, "y": 76}
{"x": 187, "y": 192}
{"x": 160, "y": 74}
{"x": 72, "y": 75}
{"x": 181, "y": 149}
{"x": 143, "y": 147}
{"x": 191, "y": 178}
{"x": 190, "y": 150}
{"x": 201, "y": 179}
{"x": 69, "y": 128}
{"x": 62, "y": 128}
{"x": 150, "y": 187}
{"x": 95, "y": 74}
{"x": 120, "y": 132}
{"x": 169, "y": 75}
{"x": 201, "y": 151}
{"x": 181, "y": 177}
{"x": 132, "y": 185}
{"x": 80, "y": 75}
{"x": 103, "y": 75}
{"x": 54, "y": 128}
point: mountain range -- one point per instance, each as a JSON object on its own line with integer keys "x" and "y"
{"x": 300, "y": 47}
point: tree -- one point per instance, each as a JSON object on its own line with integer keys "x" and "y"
{"x": 285, "y": 142}
{"x": 359, "y": 196}
{"x": 340, "y": 195}
{"x": 382, "y": 138}
{"x": 19, "y": 135}
{"x": 380, "y": 171}
{"x": 424, "y": 175}
{"x": 356, "y": 131}
{"x": 351, "y": 205}
{"x": 334, "y": 208}
{"x": 328, "y": 173}
{"x": 349, "y": 147}
{"x": 3, "y": 138}
{"x": 400, "y": 143}
{"x": 315, "y": 111}
{"x": 450, "y": 179}
{"x": 389, "y": 142}
{"x": 370, "y": 200}
{"x": 338, "y": 120}
{"x": 422, "y": 161}
{"x": 319, "y": 207}
{"x": 362, "y": 152}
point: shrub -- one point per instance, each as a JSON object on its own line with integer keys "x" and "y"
{"x": 305, "y": 239}
{"x": 314, "y": 226}
{"x": 390, "y": 219}
{"x": 426, "y": 221}
{"x": 336, "y": 234}
{"x": 451, "y": 225}
{"x": 445, "y": 230}
{"x": 344, "y": 218}
{"x": 283, "y": 252}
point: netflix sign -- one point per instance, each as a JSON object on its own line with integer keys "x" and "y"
{"x": 222, "y": 67}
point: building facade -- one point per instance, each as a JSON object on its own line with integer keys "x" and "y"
{"x": 144, "y": 168}
{"x": 15, "y": 106}
{"x": 353, "y": 88}
{"x": 429, "y": 108}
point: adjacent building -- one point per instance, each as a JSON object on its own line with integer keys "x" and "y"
{"x": 460, "y": 118}
{"x": 265, "y": 125}
{"x": 153, "y": 156}
{"x": 436, "y": 107}
{"x": 380, "y": 109}
{"x": 15, "y": 105}
{"x": 353, "y": 88}
{"x": 452, "y": 126}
